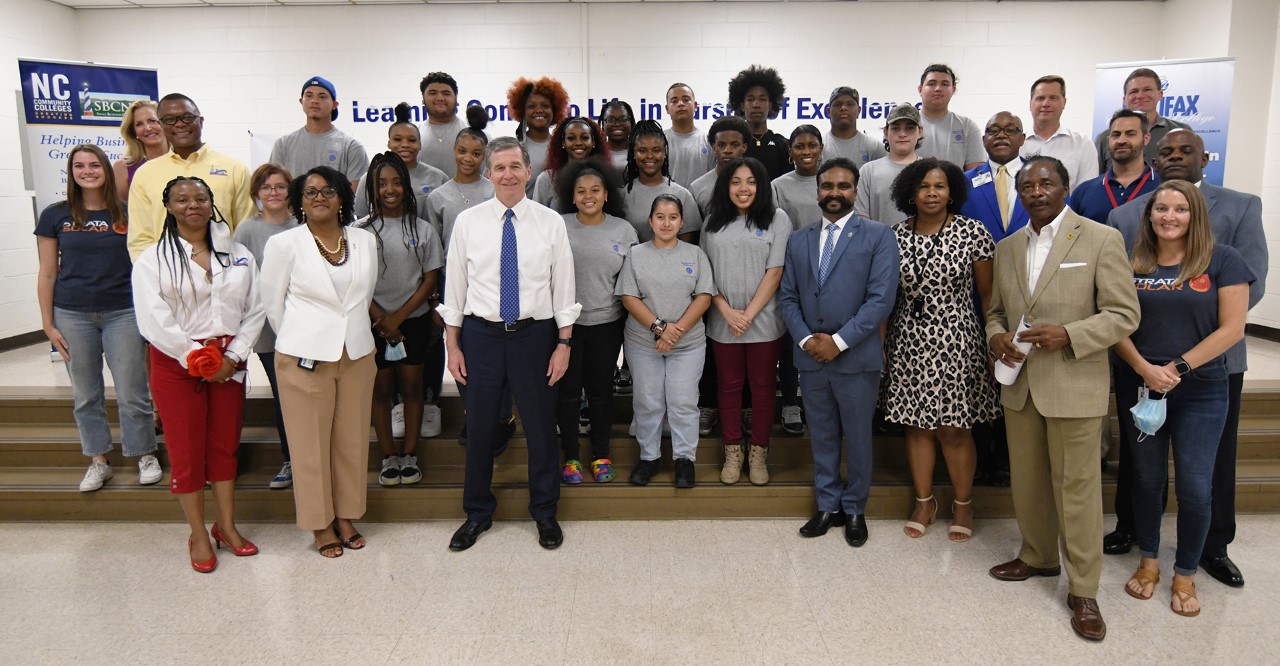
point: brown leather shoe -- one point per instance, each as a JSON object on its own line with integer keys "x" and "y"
{"x": 1086, "y": 619}
{"x": 1017, "y": 570}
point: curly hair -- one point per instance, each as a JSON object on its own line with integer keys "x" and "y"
{"x": 438, "y": 77}
{"x": 755, "y": 75}
{"x": 557, "y": 156}
{"x": 904, "y": 186}
{"x": 567, "y": 182}
{"x": 520, "y": 90}
{"x": 333, "y": 178}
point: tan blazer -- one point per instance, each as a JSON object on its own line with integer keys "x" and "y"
{"x": 1087, "y": 287}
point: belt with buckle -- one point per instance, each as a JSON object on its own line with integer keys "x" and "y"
{"x": 504, "y": 326}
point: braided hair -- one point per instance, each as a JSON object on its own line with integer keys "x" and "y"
{"x": 645, "y": 128}
{"x": 408, "y": 206}
{"x": 169, "y": 247}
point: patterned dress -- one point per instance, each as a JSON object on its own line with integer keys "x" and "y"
{"x": 937, "y": 362}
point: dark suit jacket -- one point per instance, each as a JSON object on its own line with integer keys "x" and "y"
{"x": 856, "y": 297}
{"x": 982, "y": 205}
{"x": 1237, "y": 222}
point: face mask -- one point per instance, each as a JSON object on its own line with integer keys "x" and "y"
{"x": 1148, "y": 414}
{"x": 396, "y": 352}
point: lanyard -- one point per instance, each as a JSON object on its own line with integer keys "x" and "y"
{"x": 1136, "y": 189}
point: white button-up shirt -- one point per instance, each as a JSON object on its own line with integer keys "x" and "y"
{"x": 1038, "y": 248}
{"x": 1075, "y": 150}
{"x": 473, "y": 272}
{"x": 174, "y": 315}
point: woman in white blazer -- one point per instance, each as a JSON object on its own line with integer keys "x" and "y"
{"x": 317, "y": 283}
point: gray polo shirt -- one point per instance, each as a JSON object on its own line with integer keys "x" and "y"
{"x": 402, "y": 260}
{"x": 689, "y": 156}
{"x": 640, "y": 199}
{"x": 253, "y": 234}
{"x": 599, "y": 250}
{"x": 437, "y": 144}
{"x": 862, "y": 148}
{"x": 875, "y": 186}
{"x": 666, "y": 281}
{"x": 954, "y": 138}
{"x": 798, "y": 196}
{"x": 740, "y": 255}
{"x": 301, "y": 151}
{"x": 447, "y": 201}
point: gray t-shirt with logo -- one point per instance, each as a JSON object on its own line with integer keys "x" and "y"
{"x": 667, "y": 280}
{"x": 798, "y": 196}
{"x": 953, "y": 138}
{"x": 701, "y": 190}
{"x": 861, "y": 148}
{"x": 875, "y": 187}
{"x": 447, "y": 201}
{"x": 689, "y": 156}
{"x": 599, "y": 250}
{"x": 302, "y": 151}
{"x": 402, "y": 259}
{"x": 740, "y": 255}
{"x": 437, "y": 144}
{"x": 422, "y": 177}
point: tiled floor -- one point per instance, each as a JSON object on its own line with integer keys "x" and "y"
{"x": 707, "y": 592}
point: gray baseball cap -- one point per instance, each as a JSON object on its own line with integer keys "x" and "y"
{"x": 844, "y": 90}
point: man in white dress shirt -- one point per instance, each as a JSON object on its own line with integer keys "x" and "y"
{"x": 509, "y": 306}
{"x": 1075, "y": 150}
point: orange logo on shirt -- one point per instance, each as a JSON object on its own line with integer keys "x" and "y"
{"x": 1200, "y": 284}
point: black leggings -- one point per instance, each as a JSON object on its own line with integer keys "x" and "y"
{"x": 591, "y": 365}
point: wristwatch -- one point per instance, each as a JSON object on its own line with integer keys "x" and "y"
{"x": 1180, "y": 364}
{"x": 235, "y": 360}
{"x": 568, "y": 342}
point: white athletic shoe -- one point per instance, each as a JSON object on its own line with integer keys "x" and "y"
{"x": 98, "y": 474}
{"x": 397, "y": 421}
{"x": 149, "y": 471}
{"x": 430, "y": 421}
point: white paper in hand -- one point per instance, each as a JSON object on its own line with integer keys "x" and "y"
{"x": 1005, "y": 374}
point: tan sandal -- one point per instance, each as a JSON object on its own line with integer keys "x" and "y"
{"x": 1144, "y": 577}
{"x": 921, "y": 529}
{"x": 1184, "y": 591}
{"x": 959, "y": 533}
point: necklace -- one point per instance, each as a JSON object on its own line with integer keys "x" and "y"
{"x": 758, "y": 138}
{"x": 336, "y": 257}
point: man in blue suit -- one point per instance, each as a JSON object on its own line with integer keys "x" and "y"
{"x": 998, "y": 209}
{"x": 1237, "y": 221}
{"x": 1002, "y": 137}
{"x": 838, "y": 285}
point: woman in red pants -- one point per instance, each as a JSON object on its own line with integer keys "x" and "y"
{"x": 197, "y": 304}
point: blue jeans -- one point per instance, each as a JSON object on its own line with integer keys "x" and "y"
{"x": 665, "y": 384}
{"x": 1196, "y": 412}
{"x": 89, "y": 336}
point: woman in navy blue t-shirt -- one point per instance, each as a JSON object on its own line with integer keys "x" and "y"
{"x": 1194, "y": 297}
{"x": 86, "y": 307}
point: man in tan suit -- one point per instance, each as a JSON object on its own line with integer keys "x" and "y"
{"x": 1069, "y": 275}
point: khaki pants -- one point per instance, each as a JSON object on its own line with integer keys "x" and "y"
{"x": 326, "y": 415}
{"x": 1057, "y": 493}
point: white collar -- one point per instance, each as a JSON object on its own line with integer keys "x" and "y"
{"x": 1012, "y": 166}
{"x": 1051, "y": 229}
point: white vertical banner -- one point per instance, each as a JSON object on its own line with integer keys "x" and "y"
{"x": 1196, "y": 92}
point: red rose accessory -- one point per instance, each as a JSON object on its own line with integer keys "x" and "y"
{"x": 205, "y": 361}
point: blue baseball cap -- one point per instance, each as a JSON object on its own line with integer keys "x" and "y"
{"x": 327, "y": 85}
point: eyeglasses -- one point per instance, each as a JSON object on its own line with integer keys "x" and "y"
{"x": 1007, "y": 131}
{"x": 276, "y": 188}
{"x": 615, "y": 120}
{"x": 327, "y": 193}
{"x": 186, "y": 119}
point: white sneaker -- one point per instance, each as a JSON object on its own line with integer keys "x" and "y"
{"x": 98, "y": 474}
{"x": 390, "y": 475}
{"x": 397, "y": 421}
{"x": 430, "y": 421}
{"x": 792, "y": 421}
{"x": 149, "y": 471}
{"x": 409, "y": 471}
{"x": 631, "y": 430}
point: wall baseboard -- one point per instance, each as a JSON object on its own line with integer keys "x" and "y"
{"x": 25, "y": 339}
{"x": 1264, "y": 332}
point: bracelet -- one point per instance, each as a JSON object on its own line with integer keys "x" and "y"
{"x": 568, "y": 342}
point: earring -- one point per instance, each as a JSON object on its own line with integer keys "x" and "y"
{"x": 911, "y": 201}
{"x": 304, "y": 217}
{"x": 950, "y": 201}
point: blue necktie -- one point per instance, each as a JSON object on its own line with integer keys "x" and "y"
{"x": 828, "y": 248}
{"x": 509, "y": 265}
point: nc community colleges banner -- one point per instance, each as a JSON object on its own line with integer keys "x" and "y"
{"x": 1196, "y": 92}
{"x": 69, "y": 103}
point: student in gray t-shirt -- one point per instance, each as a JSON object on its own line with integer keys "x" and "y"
{"x": 319, "y": 142}
{"x": 404, "y": 139}
{"x": 269, "y": 186}
{"x": 647, "y": 174}
{"x": 947, "y": 135}
{"x": 600, "y": 241}
{"x": 844, "y": 139}
{"x": 688, "y": 151}
{"x": 745, "y": 237}
{"x": 796, "y": 192}
{"x": 409, "y": 256}
{"x": 904, "y": 135}
{"x": 442, "y": 124}
{"x": 666, "y": 286}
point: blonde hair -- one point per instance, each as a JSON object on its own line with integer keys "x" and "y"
{"x": 134, "y": 151}
{"x": 1200, "y": 241}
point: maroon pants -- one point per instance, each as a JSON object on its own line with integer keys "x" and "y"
{"x": 201, "y": 424}
{"x": 755, "y": 364}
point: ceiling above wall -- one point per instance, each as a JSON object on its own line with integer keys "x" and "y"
{"x": 123, "y": 4}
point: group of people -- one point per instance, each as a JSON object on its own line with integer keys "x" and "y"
{"x": 901, "y": 276}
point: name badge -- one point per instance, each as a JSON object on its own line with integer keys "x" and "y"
{"x": 982, "y": 179}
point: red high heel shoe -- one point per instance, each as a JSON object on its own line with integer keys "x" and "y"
{"x": 206, "y": 566}
{"x": 243, "y": 551}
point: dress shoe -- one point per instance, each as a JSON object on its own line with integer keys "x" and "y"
{"x": 550, "y": 536}
{"x": 823, "y": 521}
{"x": 466, "y": 535}
{"x": 1086, "y": 619}
{"x": 1017, "y": 570}
{"x": 206, "y": 566}
{"x": 855, "y": 531}
{"x": 1117, "y": 543}
{"x": 244, "y": 550}
{"x": 1223, "y": 570}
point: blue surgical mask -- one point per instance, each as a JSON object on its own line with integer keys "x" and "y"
{"x": 395, "y": 352}
{"x": 1148, "y": 414}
